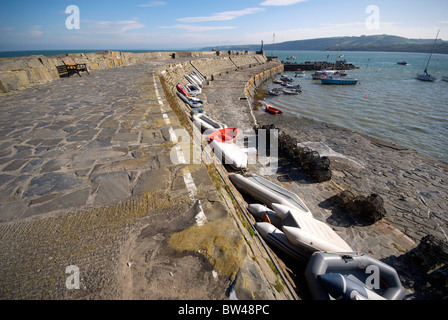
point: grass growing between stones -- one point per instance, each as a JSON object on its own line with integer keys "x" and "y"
{"x": 217, "y": 241}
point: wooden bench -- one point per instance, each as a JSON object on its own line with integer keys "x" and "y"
{"x": 72, "y": 67}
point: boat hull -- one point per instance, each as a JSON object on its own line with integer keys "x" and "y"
{"x": 338, "y": 81}
{"x": 273, "y": 110}
{"x": 229, "y": 153}
{"x": 425, "y": 77}
{"x": 267, "y": 192}
{"x": 353, "y": 266}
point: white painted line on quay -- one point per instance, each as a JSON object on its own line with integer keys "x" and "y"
{"x": 189, "y": 183}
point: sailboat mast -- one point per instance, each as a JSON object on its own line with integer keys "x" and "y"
{"x": 432, "y": 49}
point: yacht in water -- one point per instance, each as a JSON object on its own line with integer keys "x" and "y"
{"x": 425, "y": 76}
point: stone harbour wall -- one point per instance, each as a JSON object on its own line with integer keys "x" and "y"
{"x": 23, "y": 72}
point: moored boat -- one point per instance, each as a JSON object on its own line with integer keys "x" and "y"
{"x": 299, "y": 74}
{"x": 275, "y": 92}
{"x": 403, "y": 63}
{"x": 425, "y": 76}
{"x": 273, "y": 110}
{"x": 445, "y": 78}
{"x": 286, "y": 78}
{"x": 338, "y": 80}
{"x": 322, "y": 73}
{"x": 291, "y": 91}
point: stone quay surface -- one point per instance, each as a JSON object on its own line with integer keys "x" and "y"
{"x": 93, "y": 206}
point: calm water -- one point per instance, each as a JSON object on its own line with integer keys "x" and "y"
{"x": 387, "y": 103}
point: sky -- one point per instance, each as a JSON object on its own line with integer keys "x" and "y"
{"x": 194, "y": 24}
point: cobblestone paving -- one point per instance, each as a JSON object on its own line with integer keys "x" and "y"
{"x": 87, "y": 180}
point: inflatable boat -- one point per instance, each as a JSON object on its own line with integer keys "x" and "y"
{"x": 264, "y": 214}
{"x": 277, "y": 238}
{"x": 193, "y": 103}
{"x": 267, "y": 192}
{"x": 204, "y": 122}
{"x": 226, "y": 150}
{"x": 226, "y": 135}
{"x": 351, "y": 276}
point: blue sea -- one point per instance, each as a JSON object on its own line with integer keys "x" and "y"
{"x": 388, "y": 102}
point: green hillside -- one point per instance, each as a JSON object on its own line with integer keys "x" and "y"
{"x": 385, "y": 43}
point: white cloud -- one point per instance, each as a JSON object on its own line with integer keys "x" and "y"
{"x": 153, "y": 4}
{"x": 222, "y": 16}
{"x": 279, "y": 3}
{"x": 196, "y": 28}
{"x": 113, "y": 26}
{"x": 34, "y": 31}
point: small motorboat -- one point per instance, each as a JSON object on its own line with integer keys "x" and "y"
{"x": 403, "y": 63}
{"x": 296, "y": 86}
{"x": 275, "y": 92}
{"x": 225, "y": 135}
{"x": 300, "y": 74}
{"x": 277, "y": 81}
{"x": 291, "y": 91}
{"x": 286, "y": 78}
{"x": 445, "y": 78}
{"x": 338, "y": 80}
{"x": 272, "y": 110}
{"x": 322, "y": 73}
{"x": 351, "y": 276}
{"x": 291, "y": 58}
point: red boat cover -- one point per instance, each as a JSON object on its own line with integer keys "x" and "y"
{"x": 182, "y": 90}
{"x": 227, "y": 135}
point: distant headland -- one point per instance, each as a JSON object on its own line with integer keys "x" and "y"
{"x": 375, "y": 43}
